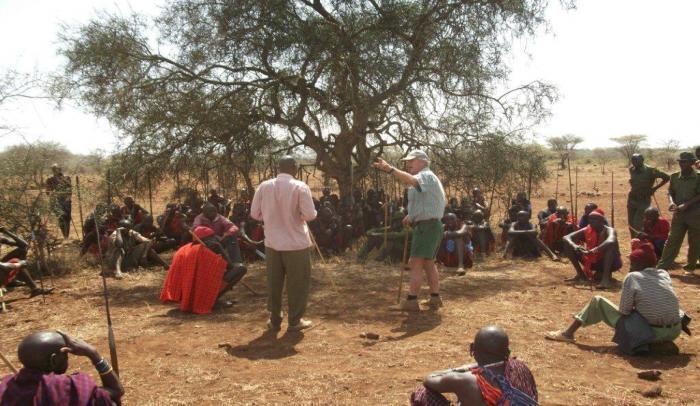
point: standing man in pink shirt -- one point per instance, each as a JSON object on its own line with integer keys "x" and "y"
{"x": 284, "y": 204}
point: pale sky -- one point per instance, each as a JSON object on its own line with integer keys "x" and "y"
{"x": 621, "y": 67}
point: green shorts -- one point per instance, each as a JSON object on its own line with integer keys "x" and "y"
{"x": 426, "y": 239}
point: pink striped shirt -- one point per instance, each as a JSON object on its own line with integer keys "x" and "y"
{"x": 284, "y": 204}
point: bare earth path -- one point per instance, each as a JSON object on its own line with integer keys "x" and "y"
{"x": 169, "y": 358}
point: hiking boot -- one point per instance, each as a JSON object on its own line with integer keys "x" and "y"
{"x": 409, "y": 305}
{"x": 435, "y": 302}
{"x": 302, "y": 325}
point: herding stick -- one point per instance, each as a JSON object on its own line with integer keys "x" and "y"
{"x": 110, "y": 331}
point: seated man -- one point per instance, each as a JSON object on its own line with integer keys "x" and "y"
{"x": 113, "y": 217}
{"x": 223, "y": 228}
{"x": 522, "y": 239}
{"x": 507, "y": 222}
{"x": 219, "y": 202}
{"x": 331, "y": 235}
{"x": 645, "y": 290}
{"x": 330, "y": 198}
{"x": 478, "y": 202}
{"x": 252, "y": 243}
{"x": 241, "y": 208}
{"x": 161, "y": 242}
{"x": 588, "y": 209}
{"x": 656, "y": 229}
{"x": 455, "y": 249}
{"x": 128, "y": 249}
{"x": 482, "y": 237}
{"x": 544, "y": 214}
{"x": 201, "y": 274}
{"x": 42, "y": 379}
{"x": 524, "y": 203}
{"x": 173, "y": 223}
{"x": 495, "y": 379}
{"x": 600, "y": 254}
{"x": 558, "y": 225}
{"x": 133, "y": 211}
{"x": 13, "y": 264}
{"x": 395, "y": 237}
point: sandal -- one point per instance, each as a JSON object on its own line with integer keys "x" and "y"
{"x": 559, "y": 336}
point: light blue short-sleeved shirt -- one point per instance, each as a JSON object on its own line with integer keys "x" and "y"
{"x": 427, "y": 200}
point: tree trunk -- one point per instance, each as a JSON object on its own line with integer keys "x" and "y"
{"x": 562, "y": 161}
{"x": 248, "y": 184}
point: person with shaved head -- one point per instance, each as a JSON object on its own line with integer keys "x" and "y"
{"x": 598, "y": 254}
{"x": 495, "y": 379}
{"x": 43, "y": 380}
{"x": 285, "y": 205}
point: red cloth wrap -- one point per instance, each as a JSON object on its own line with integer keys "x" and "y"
{"x": 591, "y": 241}
{"x": 555, "y": 231}
{"x": 658, "y": 230}
{"x": 13, "y": 273}
{"x": 194, "y": 279}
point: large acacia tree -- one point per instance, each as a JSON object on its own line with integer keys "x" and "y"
{"x": 345, "y": 78}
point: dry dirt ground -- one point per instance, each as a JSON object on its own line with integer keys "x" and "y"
{"x": 170, "y": 358}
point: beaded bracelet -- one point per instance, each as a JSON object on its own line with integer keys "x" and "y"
{"x": 107, "y": 372}
{"x": 102, "y": 366}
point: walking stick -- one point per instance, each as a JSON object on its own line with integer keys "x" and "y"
{"x": 612, "y": 198}
{"x": 656, "y": 202}
{"x": 556, "y": 187}
{"x": 576, "y": 194}
{"x": 8, "y": 363}
{"x": 74, "y": 227}
{"x": 150, "y": 193}
{"x": 404, "y": 262}
{"x": 80, "y": 206}
{"x": 325, "y": 272}
{"x": 110, "y": 331}
{"x": 571, "y": 190}
{"x": 386, "y": 220}
{"x": 245, "y": 285}
{"x": 109, "y": 187}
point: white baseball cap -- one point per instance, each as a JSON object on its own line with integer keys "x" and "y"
{"x": 416, "y": 154}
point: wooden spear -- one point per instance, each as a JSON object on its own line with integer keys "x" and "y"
{"x": 110, "y": 330}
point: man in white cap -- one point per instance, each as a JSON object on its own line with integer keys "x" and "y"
{"x": 426, "y": 205}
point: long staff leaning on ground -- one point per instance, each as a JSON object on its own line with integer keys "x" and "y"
{"x": 110, "y": 330}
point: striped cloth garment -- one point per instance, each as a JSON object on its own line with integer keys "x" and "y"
{"x": 650, "y": 292}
